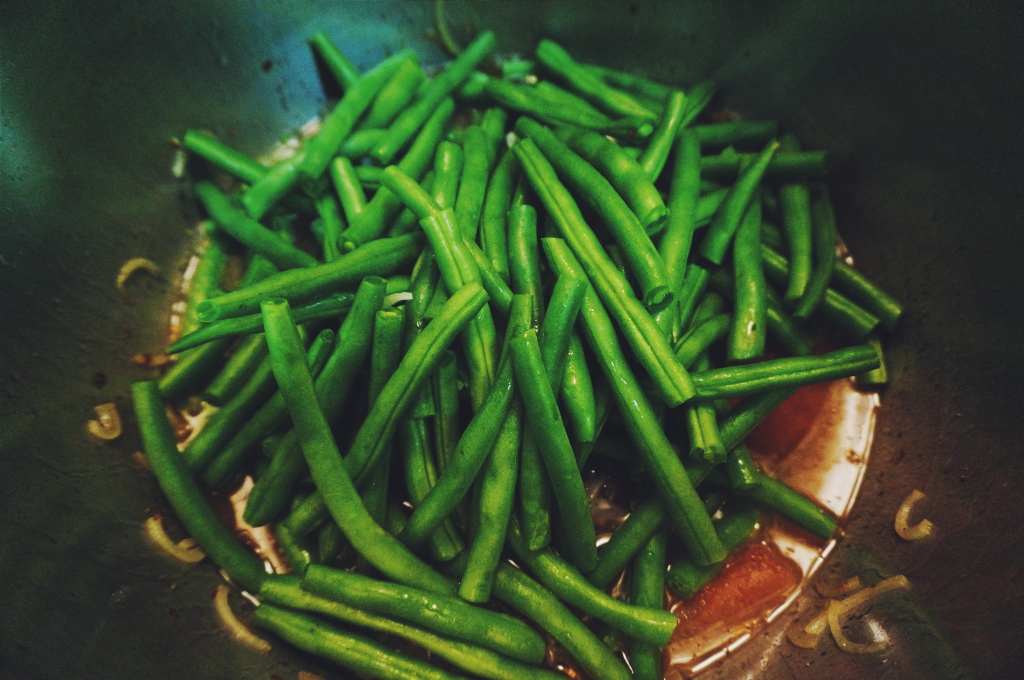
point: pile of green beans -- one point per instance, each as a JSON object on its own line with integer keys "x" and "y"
{"x": 461, "y": 297}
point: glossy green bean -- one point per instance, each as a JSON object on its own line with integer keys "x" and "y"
{"x": 413, "y": 117}
{"x": 577, "y": 394}
{"x": 748, "y": 414}
{"x": 222, "y": 156}
{"x": 741, "y": 468}
{"x": 647, "y": 589}
{"x": 421, "y": 475}
{"x": 339, "y": 65}
{"x": 330, "y": 474}
{"x": 749, "y": 331}
{"x": 359, "y": 143}
{"x": 795, "y": 204}
{"x": 682, "y": 218}
{"x": 193, "y": 366}
{"x": 444, "y": 389}
{"x": 524, "y": 257}
{"x": 738, "y": 132}
{"x": 556, "y": 328}
{"x": 441, "y": 613}
{"x": 328, "y": 208}
{"x": 701, "y": 337}
{"x": 738, "y": 381}
{"x": 545, "y": 422}
{"x": 669, "y": 475}
{"x": 184, "y": 496}
{"x": 823, "y": 240}
{"x": 381, "y": 257}
{"x": 347, "y": 186}
{"x": 685, "y": 578}
{"x": 654, "y": 156}
{"x": 448, "y": 163}
{"x": 795, "y": 507}
{"x": 242, "y": 363}
{"x": 729, "y": 215}
{"x": 497, "y": 201}
{"x": 638, "y": 528}
{"x": 789, "y": 165}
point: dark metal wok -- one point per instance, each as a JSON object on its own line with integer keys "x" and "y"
{"x": 922, "y": 102}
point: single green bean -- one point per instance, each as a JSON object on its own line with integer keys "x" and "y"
{"x": 738, "y": 381}
{"x": 332, "y": 479}
{"x": 250, "y": 232}
{"x": 545, "y": 422}
{"x": 670, "y": 477}
{"x": 523, "y": 257}
{"x": 556, "y": 327}
{"x": 697, "y": 99}
{"x": 347, "y": 186}
{"x": 823, "y": 239}
{"x": 473, "y": 184}
{"x": 738, "y": 132}
{"x": 729, "y": 215}
{"x": 441, "y": 613}
{"x": 741, "y": 468}
{"x": 339, "y": 65}
{"x": 355, "y": 652}
{"x": 577, "y": 394}
{"x": 448, "y": 163}
{"x": 395, "y": 95}
{"x": 286, "y": 592}
{"x": 638, "y": 528}
{"x": 795, "y": 507}
{"x": 654, "y": 156}
{"x": 330, "y": 215}
{"x": 701, "y": 337}
{"x": 648, "y": 590}
{"x": 193, "y": 366}
{"x": 625, "y": 174}
{"x": 223, "y": 156}
{"x": 682, "y": 217}
{"x": 184, "y": 496}
{"x": 359, "y": 143}
{"x": 749, "y": 331}
{"x": 493, "y": 238}
{"x": 381, "y": 257}
{"x": 239, "y": 367}
{"x": 638, "y": 85}
{"x": 413, "y": 117}
{"x": 795, "y": 202}
{"x": 591, "y": 87}
{"x": 748, "y": 414}
{"x": 788, "y": 165}
{"x": 444, "y": 388}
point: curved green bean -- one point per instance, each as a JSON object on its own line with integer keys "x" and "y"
{"x": 654, "y": 156}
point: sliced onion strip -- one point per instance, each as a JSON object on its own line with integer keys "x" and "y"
{"x": 107, "y": 424}
{"x": 845, "y": 644}
{"x": 184, "y": 550}
{"x": 130, "y": 267}
{"x": 808, "y": 636}
{"x": 844, "y": 587}
{"x": 903, "y": 528}
{"x": 235, "y": 628}
{"x": 395, "y": 298}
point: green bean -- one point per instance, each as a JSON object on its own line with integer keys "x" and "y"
{"x": 339, "y": 65}
{"x": 648, "y": 590}
{"x": 552, "y": 440}
{"x": 577, "y": 393}
{"x": 737, "y": 381}
{"x": 497, "y": 201}
{"x": 638, "y": 528}
{"x": 413, "y": 117}
{"x": 369, "y": 176}
{"x": 440, "y": 613}
{"x": 654, "y": 156}
{"x": 330, "y": 215}
{"x": 385, "y": 206}
{"x": 563, "y": 98}
{"x": 222, "y": 156}
{"x": 263, "y": 421}
{"x": 270, "y": 495}
{"x": 333, "y": 306}
{"x": 355, "y": 652}
{"x": 496, "y": 498}
{"x": 386, "y": 352}
{"x": 465, "y": 461}
{"x": 493, "y": 283}
{"x": 448, "y": 163}
{"x": 587, "y": 84}
{"x": 493, "y": 122}
{"x": 823, "y": 238}
{"x": 701, "y": 337}
{"x": 748, "y": 334}
{"x": 331, "y": 476}
{"x": 788, "y": 165}
{"x": 795, "y": 507}
{"x": 669, "y": 475}
{"x": 248, "y": 231}
{"x": 359, "y": 143}
{"x": 294, "y": 549}
{"x": 395, "y": 95}
{"x": 285, "y": 591}
{"x": 707, "y": 205}
{"x": 705, "y": 438}
{"x": 523, "y": 258}
{"x": 443, "y": 543}
{"x": 184, "y": 496}
{"x": 444, "y": 387}
{"x": 738, "y": 132}
{"x": 685, "y": 578}
{"x": 623, "y": 173}
{"x": 650, "y": 346}
{"x": 239, "y": 367}
{"x": 556, "y": 327}
{"x": 473, "y": 184}
{"x": 748, "y": 414}
{"x": 299, "y": 285}
{"x": 697, "y": 98}
{"x": 729, "y": 215}
{"x": 741, "y": 468}
{"x": 877, "y": 376}
{"x": 795, "y": 201}
{"x": 695, "y": 284}
{"x": 681, "y": 223}
{"x": 638, "y": 85}
{"x": 654, "y": 626}
{"x": 528, "y": 597}
{"x": 347, "y": 186}
{"x": 835, "y": 308}
{"x": 192, "y": 366}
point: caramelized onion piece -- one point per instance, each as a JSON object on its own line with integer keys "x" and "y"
{"x": 919, "y": 530}
{"x": 807, "y": 637}
{"x": 845, "y": 644}
{"x": 184, "y": 550}
{"x": 107, "y": 425}
{"x": 235, "y": 628}
{"x": 844, "y": 587}
{"x": 130, "y": 267}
